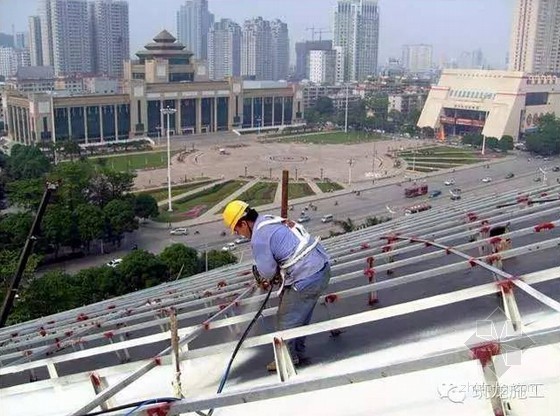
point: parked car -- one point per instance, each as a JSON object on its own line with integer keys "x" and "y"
{"x": 303, "y": 218}
{"x": 241, "y": 240}
{"x": 114, "y": 263}
{"x": 455, "y": 197}
{"x": 179, "y": 231}
{"x": 449, "y": 182}
{"x": 510, "y": 175}
{"x": 487, "y": 179}
{"x": 556, "y": 169}
{"x": 435, "y": 193}
{"x": 537, "y": 179}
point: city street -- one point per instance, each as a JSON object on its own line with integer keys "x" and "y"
{"x": 373, "y": 200}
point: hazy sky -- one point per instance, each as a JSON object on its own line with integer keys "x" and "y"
{"x": 451, "y": 26}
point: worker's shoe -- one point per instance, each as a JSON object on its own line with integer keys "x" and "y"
{"x": 272, "y": 365}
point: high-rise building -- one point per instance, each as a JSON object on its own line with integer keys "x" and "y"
{"x": 21, "y": 40}
{"x": 417, "y": 58}
{"x": 280, "y": 48}
{"x": 66, "y": 36}
{"x": 302, "y": 55}
{"x": 256, "y": 53}
{"x": 535, "y": 36}
{"x": 110, "y": 36}
{"x": 6, "y": 40}
{"x": 471, "y": 60}
{"x": 194, "y": 21}
{"x": 35, "y": 43}
{"x": 356, "y": 30}
{"x": 224, "y": 50}
{"x": 322, "y": 67}
{"x": 8, "y": 61}
{"x": 44, "y": 11}
{"x": 265, "y": 50}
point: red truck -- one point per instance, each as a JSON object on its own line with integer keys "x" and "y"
{"x": 416, "y": 190}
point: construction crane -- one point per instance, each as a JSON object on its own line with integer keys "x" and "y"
{"x": 319, "y": 30}
{"x": 25, "y": 253}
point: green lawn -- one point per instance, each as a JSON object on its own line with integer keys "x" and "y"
{"x": 299, "y": 190}
{"x": 431, "y": 159}
{"x": 329, "y": 186}
{"x": 335, "y": 138}
{"x": 147, "y": 160}
{"x": 261, "y": 193}
{"x": 197, "y": 204}
{"x": 161, "y": 193}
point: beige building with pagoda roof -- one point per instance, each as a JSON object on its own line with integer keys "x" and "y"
{"x": 163, "y": 76}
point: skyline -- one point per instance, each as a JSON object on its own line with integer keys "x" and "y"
{"x": 451, "y": 26}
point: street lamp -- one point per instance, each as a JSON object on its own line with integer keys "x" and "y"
{"x": 168, "y": 111}
{"x": 259, "y": 120}
{"x": 346, "y": 111}
{"x": 350, "y": 164}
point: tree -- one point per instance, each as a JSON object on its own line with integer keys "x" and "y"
{"x": 8, "y": 264}
{"x": 74, "y": 178}
{"x": 47, "y": 295}
{"x": 179, "y": 256}
{"x": 492, "y": 142}
{"x": 472, "y": 139}
{"x": 347, "y": 226}
{"x": 27, "y": 162}
{"x": 324, "y": 106}
{"x": 217, "y": 259}
{"x": 97, "y": 284}
{"x": 14, "y": 229}
{"x": 428, "y": 132}
{"x": 145, "y": 206}
{"x": 90, "y": 223}
{"x": 26, "y": 193}
{"x": 140, "y": 270}
{"x": 119, "y": 218}
{"x": 506, "y": 143}
{"x": 57, "y": 227}
{"x": 546, "y": 140}
{"x": 69, "y": 148}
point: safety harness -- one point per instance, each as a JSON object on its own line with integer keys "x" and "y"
{"x": 305, "y": 246}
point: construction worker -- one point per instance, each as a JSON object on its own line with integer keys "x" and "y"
{"x": 284, "y": 252}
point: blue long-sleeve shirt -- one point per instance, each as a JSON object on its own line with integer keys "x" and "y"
{"x": 273, "y": 244}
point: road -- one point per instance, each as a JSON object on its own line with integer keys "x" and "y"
{"x": 370, "y": 202}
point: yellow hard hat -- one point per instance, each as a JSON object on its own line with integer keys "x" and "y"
{"x": 233, "y": 213}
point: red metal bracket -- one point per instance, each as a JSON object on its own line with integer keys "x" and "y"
{"x": 331, "y": 298}
{"x": 485, "y": 352}
{"x": 364, "y": 246}
{"x": 222, "y": 284}
{"x": 545, "y": 226}
{"x": 108, "y": 335}
{"x": 507, "y": 284}
{"x": 159, "y": 410}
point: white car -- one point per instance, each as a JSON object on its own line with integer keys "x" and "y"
{"x": 303, "y": 218}
{"x": 179, "y": 231}
{"x": 114, "y": 263}
{"x": 242, "y": 240}
{"x": 487, "y": 180}
{"x": 229, "y": 247}
{"x": 449, "y": 182}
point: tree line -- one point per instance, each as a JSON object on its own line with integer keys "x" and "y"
{"x": 92, "y": 206}
{"x": 370, "y": 113}
{"x": 57, "y": 291}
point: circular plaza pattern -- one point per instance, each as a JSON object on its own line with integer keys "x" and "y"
{"x": 245, "y": 156}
